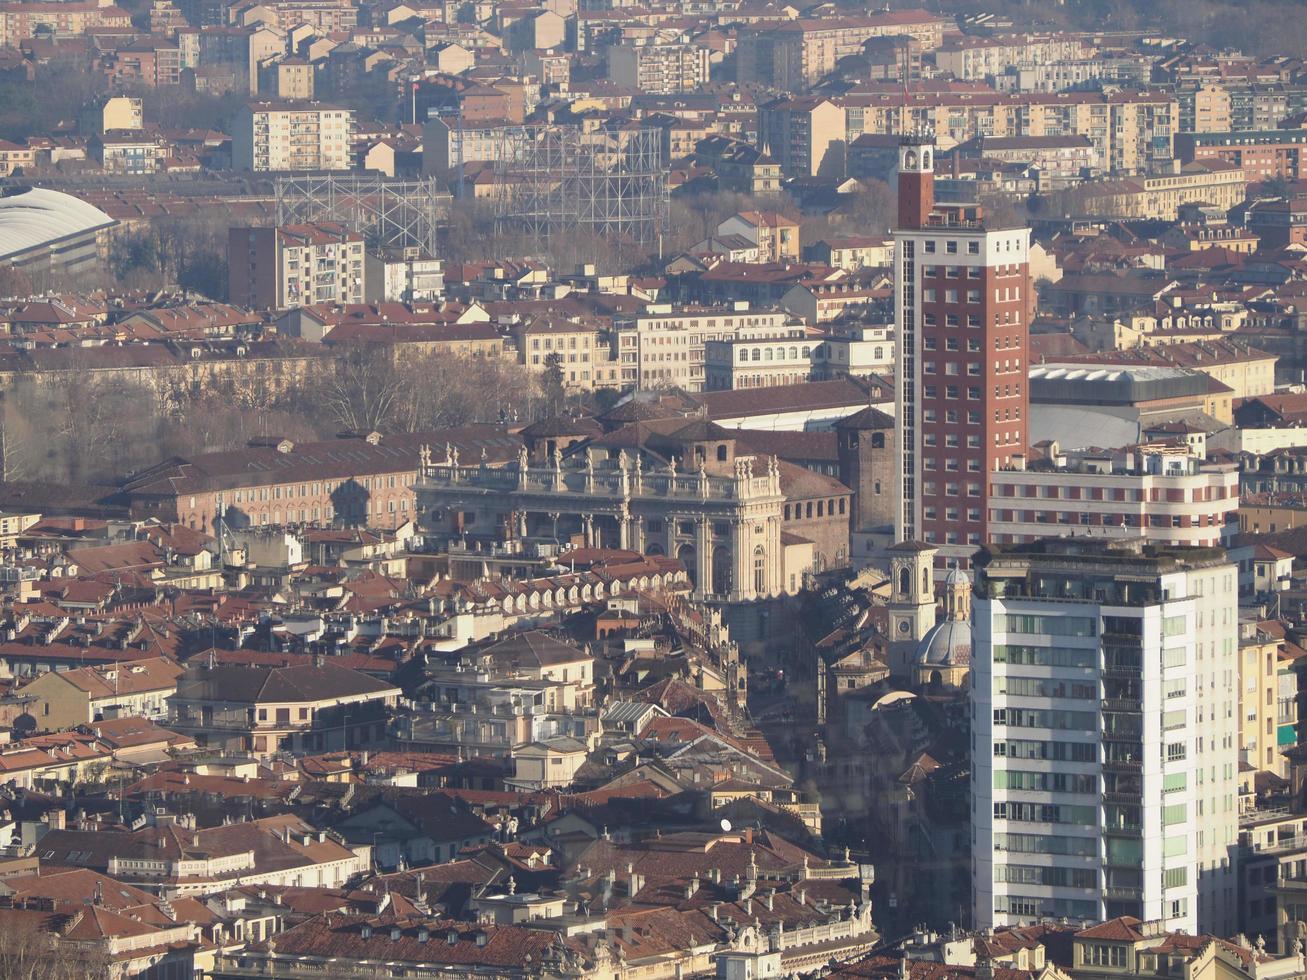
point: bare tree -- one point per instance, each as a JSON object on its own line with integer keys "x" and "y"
{"x": 362, "y": 393}
{"x": 29, "y": 951}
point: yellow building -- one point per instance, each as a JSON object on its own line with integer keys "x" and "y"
{"x": 583, "y": 351}
{"x": 1268, "y": 706}
{"x": 1131, "y": 131}
{"x": 65, "y": 699}
{"x": 806, "y": 135}
{"x": 1217, "y": 184}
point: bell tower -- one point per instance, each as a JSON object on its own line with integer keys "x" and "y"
{"x": 916, "y": 181}
{"x": 912, "y": 601}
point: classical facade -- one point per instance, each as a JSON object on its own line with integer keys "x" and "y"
{"x": 674, "y": 487}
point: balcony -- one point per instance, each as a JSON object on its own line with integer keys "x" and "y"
{"x": 1282, "y": 845}
{"x": 1123, "y": 797}
{"x": 1122, "y": 704}
{"x": 1122, "y": 765}
{"x": 1125, "y": 892}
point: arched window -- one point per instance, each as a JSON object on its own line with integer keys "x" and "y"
{"x": 841, "y": 505}
{"x": 721, "y": 453}
{"x": 878, "y": 440}
{"x": 757, "y": 354}
{"x": 808, "y": 509}
{"x": 905, "y": 581}
{"x": 807, "y": 352}
{"x": 769, "y": 354}
{"x": 794, "y": 353}
{"x": 744, "y": 354}
{"x": 787, "y": 512}
{"x": 925, "y": 581}
{"x": 759, "y": 570}
{"x": 819, "y": 510}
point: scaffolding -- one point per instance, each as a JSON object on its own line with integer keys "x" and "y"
{"x": 388, "y": 213}
{"x": 560, "y": 182}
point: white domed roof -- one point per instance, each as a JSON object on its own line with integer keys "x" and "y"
{"x": 948, "y": 644}
{"x": 37, "y": 216}
{"x": 956, "y": 576}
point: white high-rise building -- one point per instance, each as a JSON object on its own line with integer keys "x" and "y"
{"x": 1105, "y": 734}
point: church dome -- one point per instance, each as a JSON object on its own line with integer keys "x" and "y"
{"x": 948, "y": 644}
{"x": 956, "y": 577}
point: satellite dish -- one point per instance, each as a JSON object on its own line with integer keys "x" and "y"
{"x": 726, "y": 826}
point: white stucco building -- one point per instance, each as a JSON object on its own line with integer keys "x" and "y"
{"x": 1104, "y": 706}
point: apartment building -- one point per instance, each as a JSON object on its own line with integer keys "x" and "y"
{"x": 1158, "y": 492}
{"x": 1062, "y": 161}
{"x": 1056, "y": 76}
{"x": 663, "y": 347}
{"x": 128, "y": 152}
{"x": 962, "y": 290}
{"x": 796, "y": 54}
{"x": 659, "y": 69}
{"x": 265, "y": 710}
{"x": 1132, "y": 131}
{"x": 760, "y": 361}
{"x": 1261, "y": 154}
{"x": 1268, "y": 698}
{"x": 403, "y": 274}
{"x": 110, "y": 113}
{"x": 447, "y": 143}
{"x": 68, "y": 698}
{"x": 1161, "y": 196}
{"x": 583, "y": 351}
{"x": 806, "y": 135}
{"x": 1203, "y": 109}
{"x": 295, "y": 265}
{"x": 796, "y": 356}
{"x": 979, "y": 58}
{"x": 20, "y": 21}
{"x": 1105, "y": 763}
{"x": 15, "y": 157}
{"x": 277, "y": 136}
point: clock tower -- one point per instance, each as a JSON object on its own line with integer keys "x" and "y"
{"x": 912, "y": 602}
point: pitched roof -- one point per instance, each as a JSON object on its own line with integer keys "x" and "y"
{"x": 155, "y": 674}
{"x": 298, "y": 682}
{"x": 534, "y": 648}
{"x": 352, "y": 938}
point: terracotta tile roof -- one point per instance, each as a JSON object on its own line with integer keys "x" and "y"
{"x": 327, "y": 460}
{"x": 113, "y": 680}
{"x": 77, "y": 886}
{"x": 1124, "y": 928}
{"x": 294, "y": 684}
{"x": 371, "y": 938}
